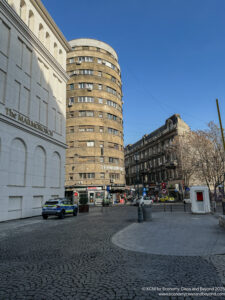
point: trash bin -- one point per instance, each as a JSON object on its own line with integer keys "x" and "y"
{"x": 147, "y": 213}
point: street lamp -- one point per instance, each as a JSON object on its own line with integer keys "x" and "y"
{"x": 136, "y": 158}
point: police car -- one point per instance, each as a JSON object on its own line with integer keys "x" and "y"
{"x": 59, "y": 207}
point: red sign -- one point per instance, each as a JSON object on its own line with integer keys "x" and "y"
{"x": 75, "y": 194}
{"x": 199, "y": 196}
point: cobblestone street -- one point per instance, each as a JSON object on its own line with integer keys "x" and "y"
{"x": 74, "y": 258}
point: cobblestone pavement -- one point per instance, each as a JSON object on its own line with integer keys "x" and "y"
{"x": 75, "y": 259}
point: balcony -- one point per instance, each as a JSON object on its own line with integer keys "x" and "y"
{"x": 171, "y": 164}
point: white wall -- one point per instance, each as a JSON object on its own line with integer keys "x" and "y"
{"x": 32, "y": 86}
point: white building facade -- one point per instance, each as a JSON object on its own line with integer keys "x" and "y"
{"x": 32, "y": 108}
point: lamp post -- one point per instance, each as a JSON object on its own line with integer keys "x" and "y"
{"x": 136, "y": 158}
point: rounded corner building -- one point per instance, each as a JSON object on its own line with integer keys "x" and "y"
{"x": 95, "y": 154}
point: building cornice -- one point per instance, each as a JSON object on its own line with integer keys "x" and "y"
{"x": 50, "y": 22}
{"x": 95, "y": 43}
{"x": 31, "y": 38}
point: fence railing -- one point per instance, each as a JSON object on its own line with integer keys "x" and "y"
{"x": 171, "y": 207}
{"x": 182, "y": 207}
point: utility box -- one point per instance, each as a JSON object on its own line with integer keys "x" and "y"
{"x": 200, "y": 203}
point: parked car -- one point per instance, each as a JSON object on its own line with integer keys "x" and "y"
{"x": 135, "y": 201}
{"x": 145, "y": 200}
{"x": 187, "y": 200}
{"x": 167, "y": 199}
{"x": 59, "y": 207}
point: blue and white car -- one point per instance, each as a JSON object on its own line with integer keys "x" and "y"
{"x": 59, "y": 207}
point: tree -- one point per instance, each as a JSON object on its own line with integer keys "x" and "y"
{"x": 210, "y": 156}
{"x": 200, "y": 157}
{"x": 184, "y": 152}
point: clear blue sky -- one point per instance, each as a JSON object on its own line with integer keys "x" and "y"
{"x": 171, "y": 53}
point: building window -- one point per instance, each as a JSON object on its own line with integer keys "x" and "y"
{"x": 100, "y": 115}
{"x": 110, "y": 90}
{"x": 101, "y": 159}
{"x": 71, "y": 100}
{"x": 89, "y": 113}
{"x": 102, "y": 175}
{"x": 112, "y": 117}
{"x": 86, "y": 72}
{"x": 90, "y": 129}
{"x": 113, "y": 79}
{"x": 113, "y": 131}
{"x": 114, "y": 176}
{"x": 113, "y": 104}
{"x": 99, "y": 60}
{"x": 71, "y": 86}
{"x": 113, "y": 160}
{"x": 101, "y": 129}
{"x": 99, "y": 73}
{"x": 85, "y": 58}
{"x": 90, "y": 144}
{"x": 100, "y": 100}
{"x": 86, "y": 175}
{"x": 71, "y": 129}
{"x": 86, "y": 113}
{"x": 85, "y": 99}
{"x": 85, "y": 85}
{"x": 71, "y": 60}
{"x": 100, "y": 86}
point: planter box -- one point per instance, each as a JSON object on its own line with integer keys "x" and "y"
{"x": 83, "y": 208}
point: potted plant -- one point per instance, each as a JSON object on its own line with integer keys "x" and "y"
{"x": 83, "y": 203}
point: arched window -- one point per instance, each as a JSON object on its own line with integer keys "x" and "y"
{"x": 23, "y": 9}
{"x": 60, "y": 56}
{"x": 31, "y": 20}
{"x": 17, "y": 163}
{"x": 41, "y": 32}
{"x": 55, "y": 51}
{"x": 56, "y": 170}
{"x": 47, "y": 40}
{"x": 39, "y": 167}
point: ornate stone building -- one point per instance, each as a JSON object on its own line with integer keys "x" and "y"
{"x": 95, "y": 157}
{"x": 32, "y": 108}
{"x": 148, "y": 164}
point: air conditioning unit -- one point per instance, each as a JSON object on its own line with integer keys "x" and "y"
{"x": 78, "y": 62}
{"x": 89, "y": 89}
{"x": 70, "y": 104}
{"x": 111, "y": 180}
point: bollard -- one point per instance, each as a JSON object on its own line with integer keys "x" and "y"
{"x": 140, "y": 214}
{"x": 223, "y": 206}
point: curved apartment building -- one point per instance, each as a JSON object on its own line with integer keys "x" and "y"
{"x": 95, "y": 154}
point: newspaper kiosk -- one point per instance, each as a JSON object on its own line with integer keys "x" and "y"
{"x": 200, "y": 203}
